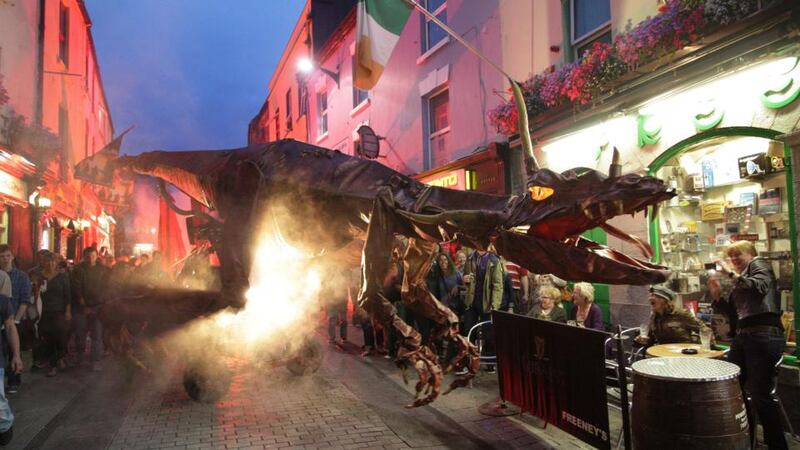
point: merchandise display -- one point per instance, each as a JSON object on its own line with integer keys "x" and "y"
{"x": 721, "y": 200}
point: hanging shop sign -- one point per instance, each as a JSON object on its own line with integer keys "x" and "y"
{"x": 13, "y": 187}
{"x": 454, "y": 179}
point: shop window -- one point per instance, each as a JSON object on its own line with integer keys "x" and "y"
{"x": 322, "y": 113}
{"x": 63, "y": 34}
{"x": 729, "y": 189}
{"x": 438, "y": 115}
{"x": 590, "y": 22}
{"x": 432, "y": 34}
{"x": 289, "y": 109}
{"x": 4, "y": 224}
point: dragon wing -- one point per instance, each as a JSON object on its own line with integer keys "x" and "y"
{"x": 193, "y": 172}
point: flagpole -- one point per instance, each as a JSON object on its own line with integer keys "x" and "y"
{"x": 522, "y": 112}
{"x": 456, "y": 36}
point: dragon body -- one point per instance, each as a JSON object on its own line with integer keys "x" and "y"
{"x": 329, "y": 200}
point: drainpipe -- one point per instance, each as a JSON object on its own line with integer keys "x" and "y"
{"x": 38, "y": 110}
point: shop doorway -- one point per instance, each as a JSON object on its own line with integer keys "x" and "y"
{"x": 732, "y": 184}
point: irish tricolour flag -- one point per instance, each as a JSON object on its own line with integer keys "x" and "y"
{"x": 378, "y": 27}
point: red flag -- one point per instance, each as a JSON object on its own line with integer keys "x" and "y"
{"x": 170, "y": 239}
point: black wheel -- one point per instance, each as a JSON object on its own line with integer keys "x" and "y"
{"x": 206, "y": 382}
{"x": 307, "y": 358}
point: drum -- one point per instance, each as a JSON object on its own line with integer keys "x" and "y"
{"x": 688, "y": 403}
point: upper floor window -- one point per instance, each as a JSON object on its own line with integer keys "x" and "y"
{"x": 63, "y": 34}
{"x": 438, "y": 111}
{"x": 359, "y": 96}
{"x": 302, "y": 99}
{"x": 322, "y": 113}
{"x": 591, "y": 22}
{"x": 277, "y": 124}
{"x": 289, "y": 109}
{"x": 432, "y": 34}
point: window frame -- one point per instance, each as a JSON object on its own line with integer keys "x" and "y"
{"x": 322, "y": 114}
{"x": 357, "y": 104}
{"x": 588, "y": 37}
{"x": 289, "y": 124}
{"x": 430, "y": 134}
{"x": 63, "y": 33}
{"x": 425, "y": 22}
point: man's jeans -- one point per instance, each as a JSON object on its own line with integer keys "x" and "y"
{"x": 6, "y": 417}
{"x": 85, "y": 322}
{"x": 756, "y": 354}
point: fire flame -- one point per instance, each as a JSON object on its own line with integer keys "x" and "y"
{"x": 283, "y": 292}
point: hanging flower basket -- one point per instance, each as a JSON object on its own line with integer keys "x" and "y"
{"x": 653, "y": 43}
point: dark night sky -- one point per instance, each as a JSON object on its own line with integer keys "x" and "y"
{"x": 190, "y": 74}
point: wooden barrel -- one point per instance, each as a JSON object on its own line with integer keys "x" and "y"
{"x": 688, "y": 403}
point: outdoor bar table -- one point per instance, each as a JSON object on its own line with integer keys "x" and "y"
{"x": 676, "y": 349}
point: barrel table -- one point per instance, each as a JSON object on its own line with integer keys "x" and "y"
{"x": 688, "y": 403}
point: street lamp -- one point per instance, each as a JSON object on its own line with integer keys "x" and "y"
{"x": 305, "y": 65}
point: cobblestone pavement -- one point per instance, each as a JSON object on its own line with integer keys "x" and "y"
{"x": 352, "y": 402}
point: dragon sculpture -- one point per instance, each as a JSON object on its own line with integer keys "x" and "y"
{"x": 363, "y": 200}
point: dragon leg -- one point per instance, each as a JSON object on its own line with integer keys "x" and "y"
{"x": 375, "y": 266}
{"x": 417, "y": 262}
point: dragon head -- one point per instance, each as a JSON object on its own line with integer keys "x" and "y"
{"x": 559, "y": 207}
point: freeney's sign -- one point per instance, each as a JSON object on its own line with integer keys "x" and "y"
{"x": 455, "y": 179}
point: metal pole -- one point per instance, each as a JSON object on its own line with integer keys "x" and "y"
{"x": 456, "y": 36}
{"x": 530, "y": 160}
{"x": 623, "y": 389}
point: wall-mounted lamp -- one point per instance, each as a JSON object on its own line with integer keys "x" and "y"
{"x": 306, "y": 66}
{"x": 43, "y": 202}
{"x": 85, "y": 224}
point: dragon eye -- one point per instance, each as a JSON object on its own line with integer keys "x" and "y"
{"x": 539, "y": 193}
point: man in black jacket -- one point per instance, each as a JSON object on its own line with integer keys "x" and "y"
{"x": 759, "y": 340}
{"x": 89, "y": 283}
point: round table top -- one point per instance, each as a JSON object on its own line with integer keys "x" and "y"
{"x": 676, "y": 349}
{"x": 685, "y": 369}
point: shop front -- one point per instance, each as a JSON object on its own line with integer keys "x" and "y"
{"x": 713, "y": 136}
{"x": 483, "y": 171}
{"x": 15, "y": 213}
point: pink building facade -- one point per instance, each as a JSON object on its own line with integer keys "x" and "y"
{"x": 430, "y": 105}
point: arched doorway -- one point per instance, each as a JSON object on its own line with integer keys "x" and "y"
{"x": 733, "y": 184}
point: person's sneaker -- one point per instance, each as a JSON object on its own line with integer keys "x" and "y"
{"x": 462, "y": 371}
{"x": 11, "y": 390}
{"x": 5, "y": 436}
{"x": 491, "y": 370}
{"x": 52, "y": 372}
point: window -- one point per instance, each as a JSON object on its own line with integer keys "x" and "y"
{"x": 63, "y": 34}
{"x": 322, "y": 113}
{"x": 359, "y": 96}
{"x": 63, "y": 134}
{"x": 591, "y": 22}
{"x": 438, "y": 128}
{"x": 302, "y": 100}
{"x": 432, "y": 34}
{"x": 289, "y": 109}
{"x": 277, "y": 124}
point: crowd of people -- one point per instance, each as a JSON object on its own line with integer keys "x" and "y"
{"x": 472, "y": 283}
{"x": 57, "y": 304}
